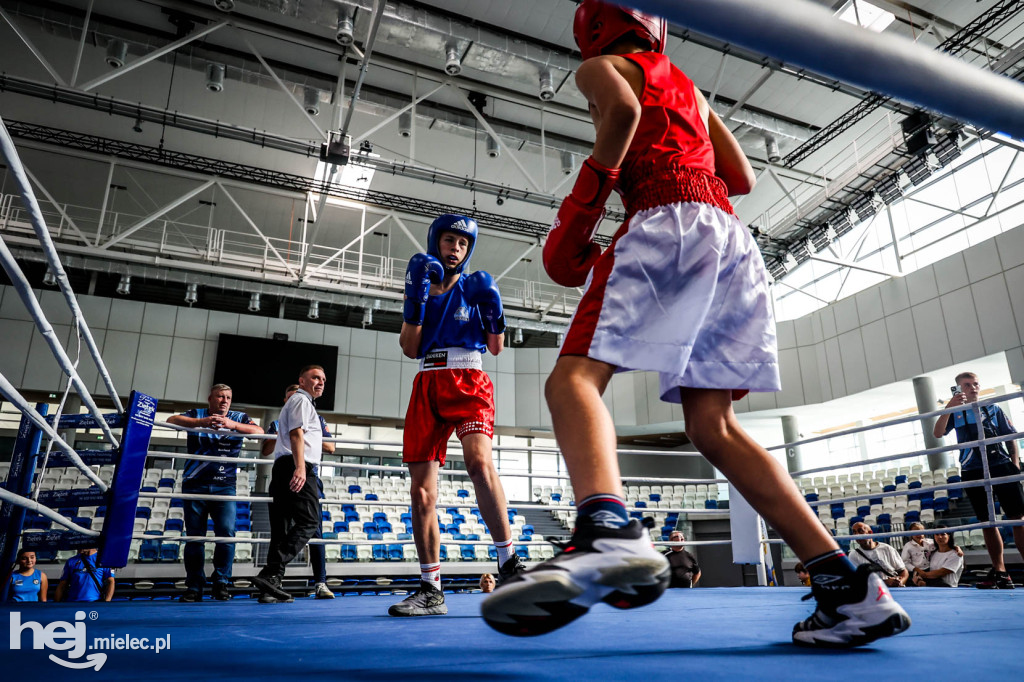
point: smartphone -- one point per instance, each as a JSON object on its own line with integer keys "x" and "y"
{"x": 955, "y": 390}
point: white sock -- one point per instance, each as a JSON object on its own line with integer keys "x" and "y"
{"x": 431, "y": 573}
{"x": 506, "y": 550}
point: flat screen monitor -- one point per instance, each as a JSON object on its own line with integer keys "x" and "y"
{"x": 259, "y": 370}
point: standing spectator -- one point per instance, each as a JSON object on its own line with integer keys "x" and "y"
{"x": 880, "y": 555}
{"x": 295, "y": 511}
{"x": 685, "y": 569}
{"x": 946, "y": 564}
{"x": 1003, "y": 460}
{"x": 82, "y": 580}
{"x": 27, "y": 583}
{"x": 317, "y": 553}
{"x": 211, "y": 478}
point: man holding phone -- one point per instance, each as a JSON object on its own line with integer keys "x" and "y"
{"x": 1003, "y": 460}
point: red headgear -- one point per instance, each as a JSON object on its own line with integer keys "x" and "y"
{"x": 598, "y": 24}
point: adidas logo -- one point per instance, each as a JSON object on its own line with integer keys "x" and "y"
{"x": 606, "y": 519}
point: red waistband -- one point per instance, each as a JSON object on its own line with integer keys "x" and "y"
{"x": 642, "y": 191}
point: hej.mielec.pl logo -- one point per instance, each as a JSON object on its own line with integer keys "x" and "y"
{"x": 71, "y": 638}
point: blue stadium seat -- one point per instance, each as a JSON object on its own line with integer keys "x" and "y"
{"x": 912, "y": 516}
{"x": 556, "y": 497}
{"x": 672, "y": 519}
{"x": 473, "y": 536}
{"x": 458, "y": 518}
{"x": 348, "y": 552}
{"x": 811, "y": 497}
{"x": 149, "y": 551}
{"x": 405, "y": 536}
{"x": 640, "y": 504}
{"x": 406, "y": 518}
{"x": 243, "y": 525}
{"x": 380, "y": 516}
{"x": 467, "y": 552}
{"x": 492, "y": 553}
{"x": 511, "y": 512}
{"x": 452, "y": 528}
{"x": 380, "y": 552}
{"x": 166, "y": 483}
{"x": 856, "y": 519}
{"x": 525, "y": 538}
{"x": 863, "y": 510}
{"x": 875, "y": 500}
{"x": 243, "y": 513}
{"x": 68, "y": 511}
{"x": 902, "y": 478}
{"x": 341, "y": 526}
{"x": 523, "y": 552}
{"x": 46, "y": 555}
{"x": 884, "y": 520}
{"x": 941, "y": 503}
{"x": 143, "y": 512}
{"x": 838, "y": 512}
{"x": 170, "y": 551}
{"x": 458, "y": 536}
{"x": 636, "y": 515}
{"x": 711, "y": 504}
{"x": 369, "y": 527}
{"x": 891, "y": 488}
{"x": 462, "y": 492}
{"x": 352, "y": 516}
{"x": 172, "y": 525}
{"x": 927, "y": 503}
{"x": 527, "y": 529}
{"x": 83, "y": 521}
{"x": 102, "y": 511}
{"x": 394, "y": 552}
{"x": 325, "y": 515}
{"x": 209, "y": 525}
{"x": 371, "y": 497}
{"x": 654, "y": 497}
{"x": 443, "y": 553}
{"x": 408, "y": 528}
{"x": 353, "y": 489}
{"x": 148, "y": 489}
{"x": 384, "y": 527}
{"x": 374, "y": 536}
{"x": 914, "y": 484}
{"x": 177, "y": 502}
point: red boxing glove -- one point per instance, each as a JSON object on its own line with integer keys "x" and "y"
{"x": 569, "y": 252}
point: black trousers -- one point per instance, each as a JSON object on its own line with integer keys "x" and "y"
{"x": 294, "y": 517}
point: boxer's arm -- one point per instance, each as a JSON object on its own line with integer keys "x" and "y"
{"x": 410, "y": 338}
{"x": 731, "y": 164}
{"x": 495, "y": 343}
{"x": 614, "y": 106}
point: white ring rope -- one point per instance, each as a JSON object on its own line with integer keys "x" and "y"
{"x": 12, "y": 394}
{"x": 337, "y": 541}
{"x": 41, "y": 471}
{"x": 28, "y": 297}
{"x": 10, "y": 153}
{"x": 43, "y": 510}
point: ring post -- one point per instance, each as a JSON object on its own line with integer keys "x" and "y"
{"x": 745, "y": 527}
{"x": 116, "y": 537}
{"x": 19, "y": 482}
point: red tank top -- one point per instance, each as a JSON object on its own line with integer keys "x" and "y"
{"x": 671, "y": 158}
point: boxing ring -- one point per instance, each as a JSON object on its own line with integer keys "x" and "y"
{"x": 713, "y": 633}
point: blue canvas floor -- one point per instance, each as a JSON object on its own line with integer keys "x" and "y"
{"x": 706, "y": 634}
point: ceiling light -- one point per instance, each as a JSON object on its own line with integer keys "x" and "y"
{"x": 311, "y": 101}
{"x": 547, "y": 88}
{"x": 191, "y": 293}
{"x": 346, "y": 27}
{"x": 138, "y": 124}
{"x": 254, "y": 302}
{"x": 124, "y": 287}
{"x": 214, "y": 77}
{"x": 117, "y": 52}
{"x": 224, "y": 5}
{"x": 517, "y": 338}
{"x": 405, "y": 124}
{"x": 367, "y": 317}
{"x": 314, "y": 310}
{"x": 49, "y": 279}
{"x": 771, "y": 146}
{"x": 452, "y": 64}
{"x": 493, "y": 148}
{"x": 568, "y": 163}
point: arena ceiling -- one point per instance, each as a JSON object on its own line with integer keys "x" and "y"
{"x": 177, "y": 141}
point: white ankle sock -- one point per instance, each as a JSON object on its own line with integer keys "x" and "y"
{"x": 506, "y": 550}
{"x": 431, "y": 573}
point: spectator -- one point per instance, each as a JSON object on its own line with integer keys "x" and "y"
{"x": 916, "y": 550}
{"x": 295, "y": 511}
{"x": 82, "y": 580}
{"x": 211, "y": 478}
{"x": 487, "y": 583}
{"x": 946, "y": 564}
{"x": 802, "y": 575}
{"x": 317, "y": 553}
{"x": 1003, "y": 460}
{"x": 685, "y": 569}
{"x": 880, "y": 555}
{"x": 26, "y": 582}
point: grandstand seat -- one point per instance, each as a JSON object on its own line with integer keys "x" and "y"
{"x": 325, "y": 515}
{"x": 166, "y": 483}
{"x": 364, "y": 552}
{"x": 143, "y": 512}
{"x": 472, "y": 536}
{"x": 340, "y": 526}
{"x": 711, "y": 504}
{"x": 170, "y": 551}
{"x": 395, "y": 552}
{"x": 443, "y": 552}
{"x": 654, "y": 497}
{"x": 811, "y": 497}
{"x": 149, "y": 551}
{"x": 371, "y": 497}
{"x": 369, "y": 527}
{"x": 884, "y": 519}
{"x": 462, "y": 492}
{"x": 523, "y": 552}
{"x": 902, "y": 478}
{"x": 245, "y": 524}
{"x": 348, "y": 553}
{"x": 353, "y": 489}
{"x": 527, "y": 529}
{"x": 384, "y": 527}
{"x": 467, "y": 552}
{"x": 172, "y": 525}
{"x": 640, "y": 504}
{"x": 890, "y": 488}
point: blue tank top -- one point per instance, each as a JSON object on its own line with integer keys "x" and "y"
{"x": 451, "y": 322}
{"x": 213, "y": 473}
{"x": 25, "y": 587}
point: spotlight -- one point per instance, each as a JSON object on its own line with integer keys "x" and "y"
{"x": 224, "y": 5}
{"x": 500, "y": 200}
{"x": 124, "y": 287}
{"x": 215, "y": 77}
{"x": 771, "y": 145}
{"x": 367, "y": 317}
{"x": 517, "y": 338}
{"x": 311, "y": 101}
{"x": 138, "y": 124}
{"x": 568, "y": 163}
{"x": 547, "y": 87}
{"x": 117, "y": 52}
{"x": 346, "y": 27}
{"x": 493, "y": 148}
{"x": 191, "y": 293}
{"x": 452, "y": 64}
{"x": 49, "y": 279}
{"x": 254, "y": 302}
{"x": 560, "y": 339}
{"x": 405, "y": 124}
{"x": 365, "y": 147}
{"x": 314, "y": 310}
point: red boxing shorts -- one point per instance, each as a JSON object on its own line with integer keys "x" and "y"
{"x": 442, "y": 401}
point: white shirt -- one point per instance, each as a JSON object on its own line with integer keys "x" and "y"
{"x": 916, "y": 556}
{"x": 884, "y": 555}
{"x": 299, "y": 413}
{"x": 951, "y": 561}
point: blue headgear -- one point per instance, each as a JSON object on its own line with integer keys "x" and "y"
{"x": 459, "y": 224}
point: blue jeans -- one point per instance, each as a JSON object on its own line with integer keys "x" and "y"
{"x": 223, "y": 515}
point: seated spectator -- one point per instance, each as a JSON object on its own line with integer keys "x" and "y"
{"x": 879, "y": 554}
{"x": 802, "y": 574}
{"x": 83, "y": 581}
{"x": 487, "y": 583}
{"x": 685, "y": 569}
{"x": 916, "y": 550}
{"x": 27, "y": 583}
{"x": 946, "y": 565}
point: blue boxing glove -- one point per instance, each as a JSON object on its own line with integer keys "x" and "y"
{"x": 421, "y": 271}
{"x": 481, "y": 291}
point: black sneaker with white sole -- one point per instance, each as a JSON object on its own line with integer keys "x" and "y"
{"x": 617, "y": 566}
{"x": 271, "y": 584}
{"x": 512, "y": 567}
{"x": 865, "y": 612}
{"x": 267, "y": 598}
{"x": 426, "y": 601}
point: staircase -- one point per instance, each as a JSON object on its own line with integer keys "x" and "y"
{"x": 545, "y": 526}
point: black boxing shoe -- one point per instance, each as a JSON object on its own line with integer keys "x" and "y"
{"x": 617, "y": 566}
{"x": 271, "y": 585}
{"x": 512, "y": 567}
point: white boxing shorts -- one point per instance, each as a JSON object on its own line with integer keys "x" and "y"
{"x": 682, "y": 292}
